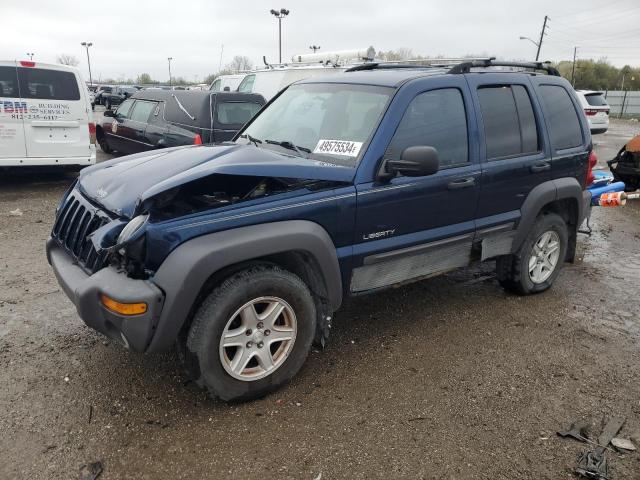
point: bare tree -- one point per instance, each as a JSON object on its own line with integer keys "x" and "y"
{"x": 66, "y": 59}
{"x": 239, "y": 63}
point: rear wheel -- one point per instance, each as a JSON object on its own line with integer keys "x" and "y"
{"x": 102, "y": 141}
{"x": 252, "y": 334}
{"x": 537, "y": 264}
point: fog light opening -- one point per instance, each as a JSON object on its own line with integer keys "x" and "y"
{"x": 123, "y": 308}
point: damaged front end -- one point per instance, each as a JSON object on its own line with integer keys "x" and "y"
{"x": 123, "y": 243}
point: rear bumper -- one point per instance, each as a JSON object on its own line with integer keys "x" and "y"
{"x": 50, "y": 161}
{"x": 84, "y": 290}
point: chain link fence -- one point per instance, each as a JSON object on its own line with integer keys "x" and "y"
{"x": 623, "y": 103}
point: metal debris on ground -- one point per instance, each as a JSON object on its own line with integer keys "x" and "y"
{"x": 623, "y": 443}
{"x": 91, "y": 471}
{"x": 593, "y": 464}
{"x": 16, "y": 213}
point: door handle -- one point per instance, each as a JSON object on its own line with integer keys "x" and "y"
{"x": 461, "y": 183}
{"x": 540, "y": 167}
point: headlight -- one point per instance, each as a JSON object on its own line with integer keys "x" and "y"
{"x": 131, "y": 228}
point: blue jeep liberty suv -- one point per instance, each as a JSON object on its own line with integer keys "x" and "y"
{"x": 239, "y": 253}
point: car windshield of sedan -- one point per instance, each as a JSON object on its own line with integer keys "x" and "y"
{"x": 322, "y": 121}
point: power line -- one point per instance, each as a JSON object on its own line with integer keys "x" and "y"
{"x": 587, "y": 10}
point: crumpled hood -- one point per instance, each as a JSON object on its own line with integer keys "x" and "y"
{"x": 121, "y": 184}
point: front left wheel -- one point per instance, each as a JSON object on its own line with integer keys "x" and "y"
{"x": 252, "y": 333}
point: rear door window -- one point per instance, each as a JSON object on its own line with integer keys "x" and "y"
{"x": 437, "y": 119}
{"x": 509, "y": 122}
{"x": 564, "y": 124}
{"x": 9, "y": 82}
{"x": 141, "y": 111}
{"x": 236, "y": 113}
{"x": 44, "y": 84}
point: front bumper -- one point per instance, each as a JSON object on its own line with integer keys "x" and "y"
{"x": 84, "y": 290}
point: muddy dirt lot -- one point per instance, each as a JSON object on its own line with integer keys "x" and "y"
{"x": 448, "y": 378}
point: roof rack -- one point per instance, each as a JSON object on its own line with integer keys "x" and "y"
{"x": 413, "y": 63}
{"x": 465, "y": 67}
{"x": 455, "y": 65}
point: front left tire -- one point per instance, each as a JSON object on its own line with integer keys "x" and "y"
{"x": 251, "y": 334}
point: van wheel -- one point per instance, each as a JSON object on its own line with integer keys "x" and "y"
{"x": 252, "y": 333}
{"x": 538, "y": 262}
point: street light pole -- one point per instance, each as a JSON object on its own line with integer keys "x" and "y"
{"x": 87, "y": 45}
{"x": 315, "y": 48}
{"x": 280, "y": 14}
{"x": 169, "y": 59}
{"x": 544, "y": 27}
{"x": 30, "y": 55}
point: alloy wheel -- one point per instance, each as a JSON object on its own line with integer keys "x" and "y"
{"x": 258, "y": 338}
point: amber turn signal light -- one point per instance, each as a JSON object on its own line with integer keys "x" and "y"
{"x": 123, "y": 308}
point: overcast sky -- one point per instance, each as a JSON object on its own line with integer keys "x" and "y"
{"x": 137, "y": 36}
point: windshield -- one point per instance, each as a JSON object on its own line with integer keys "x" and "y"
{"x": 329, "y": 122}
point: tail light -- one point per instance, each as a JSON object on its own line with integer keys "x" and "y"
{"x": 92, "y": 132}
{"x": 593, "y": 160}
{"x": 590, "y": 112}
{"x": 197, "y": 140}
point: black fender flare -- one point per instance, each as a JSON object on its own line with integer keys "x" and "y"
{"x": 545, "y": 193}
{"x": 185, "y": 271}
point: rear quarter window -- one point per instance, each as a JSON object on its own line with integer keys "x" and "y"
{"x": 561, "y": 115}
{"x": 236, "y": 113}
{"x": 43, "y": 84}
{"x": 247, "y": 84}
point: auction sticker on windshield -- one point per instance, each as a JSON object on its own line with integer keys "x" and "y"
{"x": 338, "y": 147}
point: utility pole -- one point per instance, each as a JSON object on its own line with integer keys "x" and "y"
{"x": 280, "y": 14}
{"x": 573, "y": 68}
{"x": 544, "y": 27}
{"x": 87, "y": 45}
{"x": 169, "y": 59}
{"x": 221, "y": 52}
{"x": 315, "y": 48}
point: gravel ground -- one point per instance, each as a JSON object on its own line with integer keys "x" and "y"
{"x": 450, "y": 378}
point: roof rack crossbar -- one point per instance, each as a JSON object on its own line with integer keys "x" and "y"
{"x": 465, "y": 67}
{"x": 413, "y": 63}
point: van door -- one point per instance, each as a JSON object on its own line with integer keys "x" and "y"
{"x": 12, "y": 109}
{"x": 56, "y": 125}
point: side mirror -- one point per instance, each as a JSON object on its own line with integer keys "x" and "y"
{"x": 417, "y": 161}
{"x": 108, "y": 113}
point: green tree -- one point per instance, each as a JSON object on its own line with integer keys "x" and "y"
{"x": 144, "y": 79}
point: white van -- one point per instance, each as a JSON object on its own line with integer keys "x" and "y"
{"x": 271, "y": 80}
{"x": 45, "y": 116}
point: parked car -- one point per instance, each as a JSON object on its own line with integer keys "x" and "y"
{"x": 45, "y": 116}
{"x": 596, "y": 109}
{"x": 240, "y": 253}
{"x": 117, "y": 96}
{"x": 102, "y": 89}
{"x": 163, "y": 118}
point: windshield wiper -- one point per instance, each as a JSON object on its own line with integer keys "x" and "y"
{"x": 253, "y": 140}
{"x": 287, "y": 144}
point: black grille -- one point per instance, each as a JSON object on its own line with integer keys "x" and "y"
{"x": 76, "y": 220}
